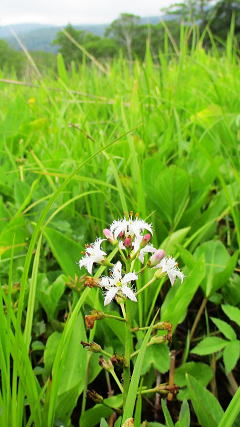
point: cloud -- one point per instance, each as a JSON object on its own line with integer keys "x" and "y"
{"x": 76, "y": 11}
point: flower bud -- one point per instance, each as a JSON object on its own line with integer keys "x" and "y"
{"x": 145, "y": 240}
{"x": 119, "y": 360}
{"x": 90, "y": 318}
{"x": 105, "y": 364}
{"x": 92, "y": 394}
{"x": 129, "y": 423}
{"x": 157, "y": 257}
{"x": 90, "y": 282}
{"x": 127, "y": 242}
{"x": 158, "y": 339}
{"x": 109, "y": 235}
{"x": 92, "y": 346}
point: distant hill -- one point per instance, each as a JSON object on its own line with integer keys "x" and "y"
{"x": 40, "y": 36}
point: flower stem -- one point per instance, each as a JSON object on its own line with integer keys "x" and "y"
{"x": 111, "y": 316}
{"x": 127, "y": 355}
{"x": 106, "y": 353}
{"x": 145, "y": 286}
{"x": 112, "y": 372}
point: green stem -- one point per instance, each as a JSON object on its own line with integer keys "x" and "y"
{"x": 112, "y": 372}
{"x": 111, "y": 316}
{"x": 122, "y": 255}
{"x": 137, "y": 351}
{"x": 145, "y": 286}
{"x": 127, "y": 355}
{"x": 106, "y": 353}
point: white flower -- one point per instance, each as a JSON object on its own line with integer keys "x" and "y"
{"x": 169, "y": 266}
{"x": 117, "y": 284}
{"x": 145, "y": 250}
{"x": 93, "y": 254}
{"x": 129, "y": 227}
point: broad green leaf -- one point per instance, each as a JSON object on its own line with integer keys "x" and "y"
{"x": 50, "y": 294}
{"x": 202, "y": 372}
{"x": 157, "y": 355}
{"x": 50, "y": 351}
{"x": 231, "y": 355}
{"x": 92, "y": 417}
{"x": 225, "y": 328}
{"x": 173, "y": 193}
{"x": 206, "y": 406}
{"x": 232, "y": 312}
{"x": 219, "y": 265}
{"x": 13, "y": 233}
{"x": 175, "y": 305}
{"x": 186, "y": 256}
{"x": 208, "y": 116}
{"x": 209, "y": 345}
{"x": 168, "y": 188}
{"x": 72, "y": 372}
{"x": 66, "y": 251}
{"x": 167, "y": 416}
{"x": 21, "y": 192}
{"x": 174, "y": 239}
{"x": 231, "y": 292}
{"x": 103, "y": 423}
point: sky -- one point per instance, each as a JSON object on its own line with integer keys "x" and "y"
{"x": 60, "y": 12}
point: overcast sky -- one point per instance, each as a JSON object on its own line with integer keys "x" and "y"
{"x": 75, "y": 11}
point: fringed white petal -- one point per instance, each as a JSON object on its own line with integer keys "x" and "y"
{"x": 129, "y": 293}
{"x": 145, "y": 250}
{"x": 128, "y": 278}
{"x": 110, "y": 294}
{"x": 117, "y": 271}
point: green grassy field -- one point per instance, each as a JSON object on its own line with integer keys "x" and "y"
{"x": 160, "y": 139}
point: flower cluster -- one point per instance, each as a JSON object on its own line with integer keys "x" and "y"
{"x": 131, "y": 237}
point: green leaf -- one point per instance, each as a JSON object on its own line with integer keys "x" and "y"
{"x": 174, "y": 239}
{"x": 231, "y": 355}
{"x": 184, "y": 416}
{"x": 132, "y": 392}
{"x": 62, "y": 72}
{"x": 72, "y": 372}
{"x": 92, "y": 417}
{"x": 174, "y": 308}
{"x": 209, "y": 345}
{"x": 173, "y": 193}
{"x": 225, "y": 328}
{"x": 219, "y": 265}
{"x": 206, "y": 406}
{"x": 50, "y": 294}
{"x": 167, "y": 416}
{"x": 232, "y": 412}
{"x": 232, "y": 312}
{"x": 103, "y": 423}
{"x": 157, "y": 355}
{"x": 202, "y": 372}
{"x": 66, "y": 251}
{"x": 50, "y": 351}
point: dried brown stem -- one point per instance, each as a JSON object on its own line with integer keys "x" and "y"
{"x": 198, "y": 317}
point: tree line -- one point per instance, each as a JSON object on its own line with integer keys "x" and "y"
{"x": 128, "y": 35}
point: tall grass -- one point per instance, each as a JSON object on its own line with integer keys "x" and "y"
{"x": 160, "y": 138}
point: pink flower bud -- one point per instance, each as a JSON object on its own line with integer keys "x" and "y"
{"x": 108, "y": 234}
{"x": 145, "y": 240}
{"x": 156, "y": 257}
{"x": 147, "y": 237}
{"x": 127, "y": 242}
